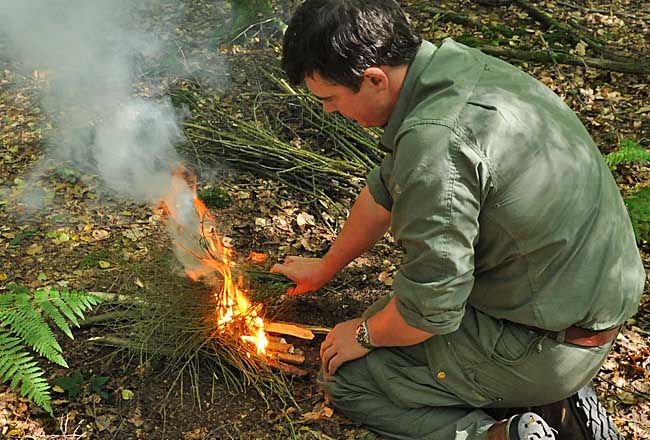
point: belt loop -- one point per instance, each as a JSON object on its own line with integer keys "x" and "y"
{"x": 560, "y": 337}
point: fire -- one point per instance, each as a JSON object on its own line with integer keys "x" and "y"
{"x": 203, "y": 253}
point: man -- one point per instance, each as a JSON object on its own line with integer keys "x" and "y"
{"x": 520, "y": 263}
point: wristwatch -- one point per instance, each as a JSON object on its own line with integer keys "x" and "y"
{"x": 363, "y": 335}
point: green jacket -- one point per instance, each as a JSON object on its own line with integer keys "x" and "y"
{"x": 502, "y": 200}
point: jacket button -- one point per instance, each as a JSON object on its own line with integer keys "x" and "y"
{"x": 441, "y": 375}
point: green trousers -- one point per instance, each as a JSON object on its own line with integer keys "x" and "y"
{"x": 437, "y": 390}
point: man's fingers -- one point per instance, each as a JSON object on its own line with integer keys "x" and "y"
{"x": 324, "y": 346}
{"x": 334, "y": 365}
{"x": 327, "y": 356}
{"x": 277, "y": 268}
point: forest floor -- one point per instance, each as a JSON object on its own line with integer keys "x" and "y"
{"x": 83, "y": 237}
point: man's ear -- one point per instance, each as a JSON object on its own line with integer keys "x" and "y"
{"x": 377, "y": 77}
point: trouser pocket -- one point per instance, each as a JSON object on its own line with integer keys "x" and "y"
{"x": 515, "y": 344}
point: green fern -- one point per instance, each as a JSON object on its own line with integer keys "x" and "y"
{"x": 629, "y": 152}
{"x": 24, "y": 325}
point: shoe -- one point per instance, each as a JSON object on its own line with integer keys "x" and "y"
{"x": 580, "y": 417}
{"x": 529, "y": 426}
{"x": 526, "y": 426}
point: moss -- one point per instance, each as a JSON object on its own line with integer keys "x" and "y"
{"x": 215, "y": 197}
{"x": 470, "y": 40}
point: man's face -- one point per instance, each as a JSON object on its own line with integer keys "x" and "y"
{"x": 369, "y": 107}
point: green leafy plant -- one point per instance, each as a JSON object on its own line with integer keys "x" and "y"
{"x": 215, "y": 197}
{"x": 628, "y": 152}
{"x": 638, "y": 206}
{"x": 637, "y": 203}
{"x": 25, "y": 325}
{"x": 72, "y": 384}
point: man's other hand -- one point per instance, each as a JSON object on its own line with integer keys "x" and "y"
{"x": 341, "y": 346}
{"x": 309, "y": 274}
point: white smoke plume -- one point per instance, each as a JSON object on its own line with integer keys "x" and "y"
{"x": 89, "y": 51}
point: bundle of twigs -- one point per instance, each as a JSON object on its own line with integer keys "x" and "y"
{"x": 174, "y": 320}
{"x": 286, "y": 136}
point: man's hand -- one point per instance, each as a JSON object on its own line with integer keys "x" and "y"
{"x": 309, "y": 274}
{"x": 341, "y": 346}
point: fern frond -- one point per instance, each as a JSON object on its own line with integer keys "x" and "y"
{"x": 47, "y": 304}
{"x": 23, "y": 325}
{"x": 629, "y": 152}
{"x": 16, "y": 364}
{"x": 72, "y": 302}
{"x": 26, "y": 322}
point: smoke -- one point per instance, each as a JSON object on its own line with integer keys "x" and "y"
{"x": 92, "y": 55}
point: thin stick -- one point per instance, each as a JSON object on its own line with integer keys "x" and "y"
{"x": 115, "y": 297}
{"x": 104, "y": 318}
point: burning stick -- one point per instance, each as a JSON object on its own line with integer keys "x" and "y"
{"x": 280, "y": 347}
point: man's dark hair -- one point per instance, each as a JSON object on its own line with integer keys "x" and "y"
{"x": 340, "y": 39}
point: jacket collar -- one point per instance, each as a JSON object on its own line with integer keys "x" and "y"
{"x": 403, "y": 104}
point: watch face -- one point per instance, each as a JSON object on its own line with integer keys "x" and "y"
{"x": 362, "y": 335}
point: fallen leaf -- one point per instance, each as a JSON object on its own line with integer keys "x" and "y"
{"x": 137, "y": 419}
{"x": 133, "y": 234}
{"x": 305, "y": 219}
{"x": 34, "y": 249}
{"x": 317, "y": 414}
{"x": 100, "y": 234}
{"x": 103, "y": 422}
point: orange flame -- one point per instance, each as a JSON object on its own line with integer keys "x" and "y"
{"x": 203, "y": 253}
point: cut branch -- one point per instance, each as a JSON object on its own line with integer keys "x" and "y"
{"x": 109, "y": 297}
{"x": 571, "y": 32}
{"x": 105, "y": 318}
{"x": 562, "y": 58}
{"x": 605, "y": 12}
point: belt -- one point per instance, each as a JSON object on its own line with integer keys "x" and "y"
{"x": 580, "y": 336}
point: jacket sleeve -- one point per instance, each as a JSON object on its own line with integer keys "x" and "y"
{"x": 437, "y": 184}
{"x": 377, "y": 183}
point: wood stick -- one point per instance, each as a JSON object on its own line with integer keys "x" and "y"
{"x": 111, "y": 297}
{"x": 105, "y": 318}
{"x": 277, "y": 339}
{"x": 319, "y": 330}
{"x": 294, "y": 359}
{"x": 291, "y": 329}
{"x": 289, "y": 369}
{"x": 280, "y": 347}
